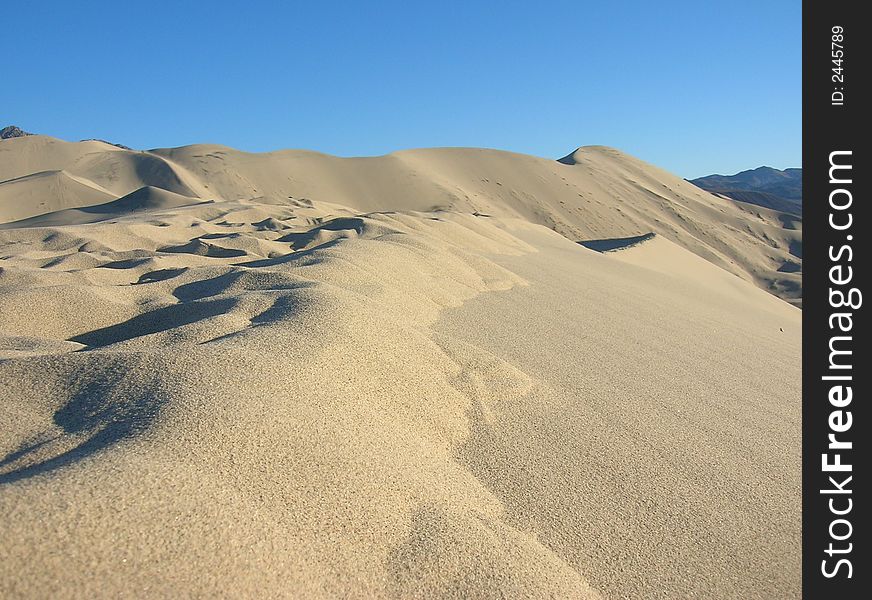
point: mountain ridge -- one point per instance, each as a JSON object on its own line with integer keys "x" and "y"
{"x": 763, "y": 186}
{"x": 12, "y": 131}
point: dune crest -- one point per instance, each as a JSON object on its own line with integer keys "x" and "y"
{"x": 596, "y": 192}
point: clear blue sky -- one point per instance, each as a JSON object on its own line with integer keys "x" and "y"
{"x": 695, "y": 87}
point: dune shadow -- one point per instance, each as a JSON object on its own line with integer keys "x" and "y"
{"x": 205, "y": 288}
{"x": 308, "y": 253}
{"x": 283, "y": 308}
{"x": 304, "y": 238}
{"x": 220, "y": 236}
{"x": 789, "y": 221}
{"x": 128, "y": 263}
{"x": 200, "y": 248}
{"x": 160, "y": 275}
{"x": 271, "y": 224}
{"x": 611, "y": 244}
{"x": 788, "y": 266}
{"x": 162, "y": 319}
{"x": 95, "y": 412}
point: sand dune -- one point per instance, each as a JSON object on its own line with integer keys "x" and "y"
{"x": 146, "y": 198}
{"x": 47, "y": 192}
{"x": 593, "y": 193}
{"x": 32, "y": 154}
{"x": 294, "y": 375}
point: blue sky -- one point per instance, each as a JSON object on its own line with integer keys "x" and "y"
{"x": 694, "y": 87}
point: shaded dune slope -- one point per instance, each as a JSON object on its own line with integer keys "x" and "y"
{"x": 146, "y": 198}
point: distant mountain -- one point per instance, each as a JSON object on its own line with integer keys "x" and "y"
{"x": 12, "y": 132}
{"x": 763, "y": 186}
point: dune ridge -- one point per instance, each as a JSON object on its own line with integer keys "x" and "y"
{"x": 261, "y": 381}
{"x": 180, "y": 322}
{"x": 596, "y": 192}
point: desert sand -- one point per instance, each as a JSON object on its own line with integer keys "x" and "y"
{"x": 296, "y": 375}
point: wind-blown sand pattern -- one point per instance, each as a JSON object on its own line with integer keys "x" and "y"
{"x": 294, "y": 375}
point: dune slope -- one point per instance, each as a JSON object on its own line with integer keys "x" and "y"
{"x": 259, "y": 396}
{"x": 593, "y": 193}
